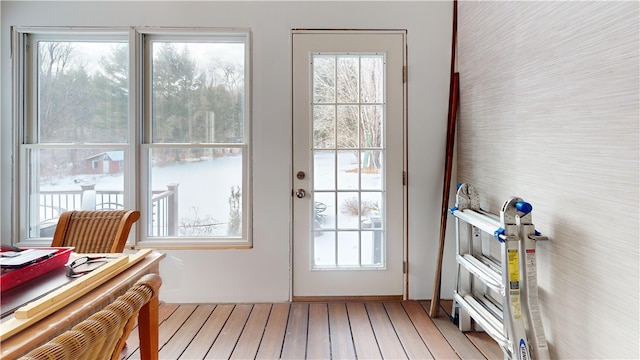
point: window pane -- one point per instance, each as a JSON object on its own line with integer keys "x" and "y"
{"x": 324, "y": 249}
{"x": 198, "y": 92}
{"x": 83, "y": 90}
{"x": 72, "y": 179}
{"x": 372, "y": 253}
{"x": 324, "y": 212}
{"x": 324, "y": 126}
{"x": 370, "y": 205}
{"x": 347, "y": 126}
{"x": 372, "y": 79}
{"x": 348, "y": 170}
{"x": 348, "y": 216}
{"x": 371, "y": 128}
{"x": 324, "y": 175}
{"x": 372, "y": 168}
{"x": 348, "y": 248}
{"x": 196, "y": 192}
{"x": 347, "y": 84}
{"x": 324, "y": 81}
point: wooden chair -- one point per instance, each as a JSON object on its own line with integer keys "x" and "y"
{"x": 94, "y": 231}
{"x": 103, "y": 334}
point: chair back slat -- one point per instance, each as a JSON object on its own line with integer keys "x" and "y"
{"x": 95, "y": 231}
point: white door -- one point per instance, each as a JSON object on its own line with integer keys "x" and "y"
{"x": 348, "y": 163}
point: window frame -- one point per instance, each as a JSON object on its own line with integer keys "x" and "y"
{"x": 136, "y": 184}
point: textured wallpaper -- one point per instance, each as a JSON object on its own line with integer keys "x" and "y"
{"x": 549, "y": 112}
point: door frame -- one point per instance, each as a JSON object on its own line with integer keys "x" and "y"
{"x": 405, "y": 188}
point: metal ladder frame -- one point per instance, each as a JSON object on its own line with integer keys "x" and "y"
{"x": 489, "y": 290}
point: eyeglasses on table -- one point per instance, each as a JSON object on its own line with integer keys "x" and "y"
{"x": 86, "y": 264}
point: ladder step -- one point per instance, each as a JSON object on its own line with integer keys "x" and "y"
{"x": 492, "y": 306}
{"x": 485, "y": 318}
{"x": 483, "y": 222}
{"x": 487, "y": 274}
{"x": 488, "y": 214}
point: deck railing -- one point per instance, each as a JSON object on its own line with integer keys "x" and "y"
{"x": 164, "y": 206}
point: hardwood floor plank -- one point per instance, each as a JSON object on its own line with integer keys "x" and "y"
{"x": 132, "y": 346}
{"x": 166, "y": 310}
{"x": 295, "y": 340}
{"x": 185, "y": 334}
{"x": 318, "y": 344}
{"x": 340, "y": 332}
{"x": 364, "y": 340}
{"x": 409, "y": 337}
{"x": 273, "y": 338}
{"x": 456, "y": 338}
{"x": 201, "y": 343}
{"x": 431, "y": 336}
{"x": 249, "y": 341}
{"x": 174, "y": 321}
{"x": 481, "y": 340}
{"x": 168, "y": 327}
{"x": 388, "y": 341}
{"x": 133, "y": 341}
{"x": 228, "y": 337}
{"x": 485, "y": 343}
{"x": 318, "y": 330}
{"x": 446, "y": 306}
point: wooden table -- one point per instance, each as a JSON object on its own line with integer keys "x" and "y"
{"x": 81, "y": 308}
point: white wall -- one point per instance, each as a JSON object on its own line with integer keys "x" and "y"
{"x": 262, "y": 273}
{"x": 1, "y": 127}
{"x": 550, "y": 112}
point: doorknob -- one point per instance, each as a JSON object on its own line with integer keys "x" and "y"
{"x": 300, "y": 193}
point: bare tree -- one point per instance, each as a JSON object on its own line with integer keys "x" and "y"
{"x": 351, "y": 86}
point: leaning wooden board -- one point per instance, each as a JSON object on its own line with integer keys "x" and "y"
{"x": 54, "y": 301}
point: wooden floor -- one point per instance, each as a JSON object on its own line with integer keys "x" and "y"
{"x": 333, "y": 330}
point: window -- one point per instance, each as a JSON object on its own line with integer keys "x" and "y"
{"x": 156, "y": 120}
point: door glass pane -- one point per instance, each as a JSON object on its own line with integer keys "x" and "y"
{"x": 348, "y": 210}
{"x": 372, "y": 253}
{"x": 324, "y": 170}
{"x": 347, "y": 126}
{"x": 371, "y": 80}
{"x": 324, "y": 210}
{"x": 372, "y": 169}
{"x": 371, "y": 207}
{"x": 348, "y": 248}
{"x": 348, "y": 170}
{"x": 371, "y": 126}
{"x": 324, "y": 126}
{"x": 348, "y": 159}
{"x": 324, "y": 79}
{"x": 324, "y": 249}
{"x": 347, "y": 79}
{"x": 83, "y": 90}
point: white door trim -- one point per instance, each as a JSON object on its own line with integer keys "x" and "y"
{"x": 401, "y": 101}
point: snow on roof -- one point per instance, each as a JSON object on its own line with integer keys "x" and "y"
{"x": 117, "y": 155}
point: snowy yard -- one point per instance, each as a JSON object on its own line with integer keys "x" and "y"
{"x": 204, "y": 189}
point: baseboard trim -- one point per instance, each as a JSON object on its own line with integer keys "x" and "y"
{"x": 346, "y": 298}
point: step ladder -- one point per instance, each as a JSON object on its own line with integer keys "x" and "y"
{"x": 496, "y": 283}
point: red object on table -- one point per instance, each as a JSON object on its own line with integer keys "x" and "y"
{"x": 12, "y": 278}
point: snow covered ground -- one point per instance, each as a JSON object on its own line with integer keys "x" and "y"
{"x": 204, "y": 188}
